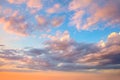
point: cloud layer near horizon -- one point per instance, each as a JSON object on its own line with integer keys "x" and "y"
{"x": 64, "y": 54}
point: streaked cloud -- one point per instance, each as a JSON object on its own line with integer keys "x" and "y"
{"x": 79, "y": 4}
{"x": 95, "y": 14}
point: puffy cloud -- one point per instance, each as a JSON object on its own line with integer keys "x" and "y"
{"x": 54, "y": 9}
{"x": 33, "y": 5}
{"x": 94, "y": 14}
{"x": 62, "y": 53}
{"x": 66, "y": 49}
{"x": 59, "y": 41}
{"x": 57, "y": 21}
{"x": 113, "y": 39}
{"x": 109, "y": 54}
{"x": 42, "y": 21}
{"x": 15, "y": 24}
{"x": 45, "y": 22}
{"x": 16, "y": 1}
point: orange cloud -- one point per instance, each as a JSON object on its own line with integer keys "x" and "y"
{"x": 16, "y": 1}
{"x": 34, "y": 4}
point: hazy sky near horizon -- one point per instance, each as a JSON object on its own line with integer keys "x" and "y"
{"x": 58, "y": 76}
{"x": 78, "y": 36}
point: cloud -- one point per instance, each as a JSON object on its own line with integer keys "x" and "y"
{"x": 95, "y": 14}
{"x": 109, "y": 54}
{"x": 15, "y": 24}
{"x": 84, "y": 55}
{"x": 42, "y": 21}
{"x": 77, "y": 19}
{"x": 59, "y": 41}
{"x": 2, "y": 45}
{"x": 45, "y": 23}
{"x": 76, "y": 4}
{"x": 33, "y": 5}
{"x": 16, "y": 1}
{"x": 62, "y": 53}
{"x": 58, "y": 21}
{"x": 10, "y": 54}
{"x": 23, "y": 60}
{"x": 66, "y": 51}
{"x": 54, "y": 9}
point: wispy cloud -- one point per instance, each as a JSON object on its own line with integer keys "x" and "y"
{"x": 88, "y": 14}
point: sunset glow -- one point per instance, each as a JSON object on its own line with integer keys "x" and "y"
{"x": 59, "y": 39}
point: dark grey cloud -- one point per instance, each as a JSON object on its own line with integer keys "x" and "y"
{"x": 10, "y": 54}
{"x": 2, "y": 45}
{"x": 109, "y": 54}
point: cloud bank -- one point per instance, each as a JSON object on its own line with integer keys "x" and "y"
{"x": 62, "y": 53}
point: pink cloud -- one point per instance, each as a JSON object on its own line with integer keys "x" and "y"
{"x": 77, "y": 4}
{"x": 33, "y": 5}
{"x": 44, "y": 22}
{"x": 54, "y": 9}
{"x": 16, "y": 1}
{"x": 77, "y": 19}
{"x": 57, "y": 21}
{"x": 41, "y": 20}
{"x": 108, "y": 13}
{"x": 15, "y": 24}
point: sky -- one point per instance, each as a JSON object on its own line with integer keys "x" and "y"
{"x": 55, "y": 39}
